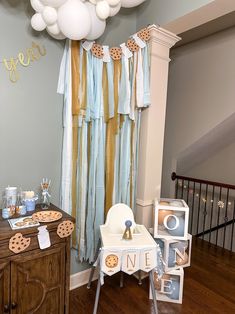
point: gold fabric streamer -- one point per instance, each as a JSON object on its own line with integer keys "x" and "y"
{"x": 75, "y": 66}
{"x": 112, "y": 130}
{"x": 75, "y": 60}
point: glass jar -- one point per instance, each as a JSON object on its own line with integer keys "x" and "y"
{"x": 45, "y": 199}
{"x": 8, "y": 207}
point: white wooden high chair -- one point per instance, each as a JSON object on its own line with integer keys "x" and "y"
{"x": 111, "y": 238}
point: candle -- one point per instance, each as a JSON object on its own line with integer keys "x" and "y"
{"x": 28, "y": 194}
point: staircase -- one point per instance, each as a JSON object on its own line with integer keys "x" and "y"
{"x": 211, "y": 209}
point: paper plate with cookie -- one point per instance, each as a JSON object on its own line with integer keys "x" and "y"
{"x": 23, "y": 222}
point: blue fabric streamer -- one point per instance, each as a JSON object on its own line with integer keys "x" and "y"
{"x": 92, "y": 143}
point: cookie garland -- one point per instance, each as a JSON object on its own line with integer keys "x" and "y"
{"x": 132, "y": 45}
{"x": 144, "y": 34}
{"x": 65, "y": 229}
{"x": 97, "y": 51}
{"x": 18, "y": 243}
{"x": 116, "y": 52}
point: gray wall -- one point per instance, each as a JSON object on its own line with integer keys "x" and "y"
{"x": 218, "y": 168}
{"x": 30, "y": 110}
{"x": 119, "y": 27}
{"x": 200, "y": 95}
{"x": 163, "y": 11}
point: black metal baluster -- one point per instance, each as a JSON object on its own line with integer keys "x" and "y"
{"x": 205, "y": 212}
{"x": 231, "y": 245}
{"x": 199, "y": 205}
{"x": 214, "y": 219}
{"x": 187, "y": 193}
{"x": 176, "y": 188}
{"x": 182, "y": 190}
{"x": 218, "y": 216}
{"x": 212, "y": 209}
{"x": 192, "y": 207}
{"x": 225, "y": 217}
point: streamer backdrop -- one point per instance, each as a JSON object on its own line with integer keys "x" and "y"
{"x": 104, "y": 95}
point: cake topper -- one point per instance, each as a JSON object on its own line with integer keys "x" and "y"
{"x": 127, "y": 235}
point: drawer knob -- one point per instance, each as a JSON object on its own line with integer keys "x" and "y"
{"x": 6, "y": 308}
{"x": 13, "y": 305}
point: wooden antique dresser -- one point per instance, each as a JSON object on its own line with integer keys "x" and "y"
{"x": 35, "y": 280}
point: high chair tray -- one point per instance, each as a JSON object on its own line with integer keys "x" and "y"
{"x": 141, "y": 238}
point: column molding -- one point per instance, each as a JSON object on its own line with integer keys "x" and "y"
{"x": 162, "y": 36}
{"x": 153, "y": 125}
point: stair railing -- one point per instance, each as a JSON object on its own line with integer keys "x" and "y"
{"x": 211, "y": 209}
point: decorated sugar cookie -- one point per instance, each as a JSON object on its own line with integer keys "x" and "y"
{"x": 116, "y": 53}
{"x": 132, "y": 45}
{"x": 18, "y": 243}
{"x": 65, "y": 229}
{"x": 144, "y": 34}
{"x": 97, "y": 51}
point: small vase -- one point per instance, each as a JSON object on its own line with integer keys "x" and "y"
{"x": 45, "y": 203}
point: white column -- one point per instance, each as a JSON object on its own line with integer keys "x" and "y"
{"x": 153, "y": 125}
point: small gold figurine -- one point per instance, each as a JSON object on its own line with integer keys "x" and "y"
{"x": 127, "y": 235}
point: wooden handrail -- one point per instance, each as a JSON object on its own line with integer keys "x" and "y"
{"x": 174, "y": 176}
{"x": 219, "y": 207}
{"x": 225, "y": 224}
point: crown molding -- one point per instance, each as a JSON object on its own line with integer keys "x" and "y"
{"x": 162, "y": 36}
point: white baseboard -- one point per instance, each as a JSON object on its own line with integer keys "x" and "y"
{"x": 81, "y": 278}
{"x": 144, "y": 203}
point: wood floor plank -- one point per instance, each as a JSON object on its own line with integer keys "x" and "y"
{"x": 209, "y": 288}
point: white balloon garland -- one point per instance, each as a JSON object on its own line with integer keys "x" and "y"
{"x": 76, "y": 19}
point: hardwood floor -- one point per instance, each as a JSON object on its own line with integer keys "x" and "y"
{"x": 209, "y": 287}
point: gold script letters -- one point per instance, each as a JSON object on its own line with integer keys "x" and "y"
{"x": 34, "y": 53}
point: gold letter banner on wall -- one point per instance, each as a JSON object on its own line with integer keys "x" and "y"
{"x": 34, "y": 53}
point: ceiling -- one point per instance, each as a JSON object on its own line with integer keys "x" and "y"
{"x": 207, "y": 29}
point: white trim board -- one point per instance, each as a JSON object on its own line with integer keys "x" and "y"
{"x": 81, "y": 278}
{"x": 144, "y": 203}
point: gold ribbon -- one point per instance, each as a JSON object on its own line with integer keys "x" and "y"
{"x": 112, "y": 130}
{"x": 75, "y": 64}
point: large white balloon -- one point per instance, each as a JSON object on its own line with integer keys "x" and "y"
{"x": 74, "y": 19}
{"x": 97, "y": 25}
{"x": 53, "y": 29}
{"x": 60, "y": 36}
{"x": 115, "y": 10}
{"x": 37, "y": 5}
{"x": 113, "y": 3}
{"x": 49, "y": 15}
{"x": 131, "y": 3}
{"x": 37, "y": 22}
{"x": 102, "y": 9}
{"x": 53, "y": 3}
